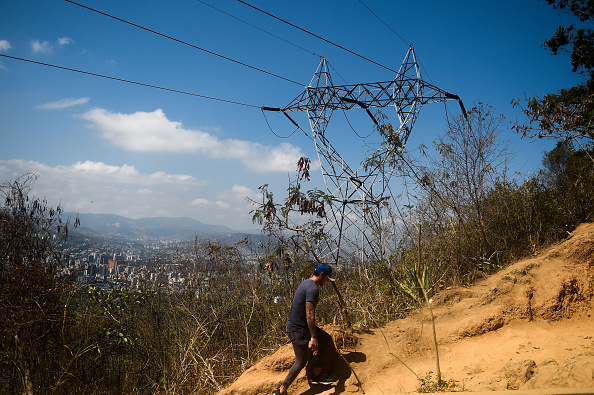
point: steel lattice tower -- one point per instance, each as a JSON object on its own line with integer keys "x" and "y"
{"x": 355, "y": 217}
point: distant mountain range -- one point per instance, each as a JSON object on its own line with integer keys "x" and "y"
{"x": 109, "y": 225}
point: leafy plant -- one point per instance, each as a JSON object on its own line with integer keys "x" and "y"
{"x": 429, "y": 384}
{"x": 414, "y": 291}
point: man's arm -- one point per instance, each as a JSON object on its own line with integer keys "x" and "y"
{"x": 310, "y": 315}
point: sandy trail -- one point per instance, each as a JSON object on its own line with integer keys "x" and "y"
{"x": 529, "y": 327}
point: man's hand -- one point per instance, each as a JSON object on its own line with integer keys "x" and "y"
{"x": 313, "y": 344}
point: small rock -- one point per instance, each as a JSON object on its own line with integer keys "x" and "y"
{"x": 517, "y": 373}
{"x": 549, "y": 361}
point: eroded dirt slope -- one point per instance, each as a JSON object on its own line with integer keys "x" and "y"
{"x": 530, "y": 326}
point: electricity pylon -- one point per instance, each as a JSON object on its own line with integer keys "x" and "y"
{"x": 355, "y": 217}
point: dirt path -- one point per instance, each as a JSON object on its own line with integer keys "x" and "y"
{"x": 528, "y": 327}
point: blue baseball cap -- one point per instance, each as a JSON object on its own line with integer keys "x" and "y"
{"x": 326, "y": 269}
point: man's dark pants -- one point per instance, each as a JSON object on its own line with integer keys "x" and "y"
{"x": 303, "y": 354}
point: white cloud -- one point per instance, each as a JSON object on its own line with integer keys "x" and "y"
{"x": 4, "y": 45}
{"x": 242, "y": 193}
{"x": 201, "y": 202}
{"x": 90, "y": 168}
{"x": 41, "y": 47}
{"x": 164, "y": 177}
{"x": 242, "y": 190}
{"x": 91, "y": 171}
{"x": 65, "y": 41}
{"x": 46, "y": 47}
{"x": 208, "y": 203}
{"x": 97, "y": 187}
{"x": 64, "y": 103}
{"x": 222, "y": 204}
{"x": 153, "y": 132}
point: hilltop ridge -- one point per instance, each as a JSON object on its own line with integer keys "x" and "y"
{"x": 181, "y": 228}
{"x": 527, "y": 327}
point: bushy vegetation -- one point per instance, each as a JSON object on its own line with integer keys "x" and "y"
{"x": 58, "y": 337}
{"x": 465, "y": 217}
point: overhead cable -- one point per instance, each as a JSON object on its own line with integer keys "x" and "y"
{"x": 332, "y": 67}
{"x": 315, "y": 35}
{"x": 185, "y": 43}
{"x": 353, "y": 129}
{"x": 130, "y": 82}
{"x": 398, "y": 35}
{"x": 382, "y": 21}
{"x": 259, "y": 28}
{"x": 270, "y": 127}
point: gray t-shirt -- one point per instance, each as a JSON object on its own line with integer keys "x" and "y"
{"x": 307, "y": 291}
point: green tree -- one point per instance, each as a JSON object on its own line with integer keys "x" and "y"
{"x": 570, "y": 175}
{"x": 569, "y": 113}
{"x": 279, "y": 218}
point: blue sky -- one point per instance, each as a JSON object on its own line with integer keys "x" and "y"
{"x": 104, "y": 146}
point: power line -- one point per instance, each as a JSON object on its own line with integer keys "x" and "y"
{"x": 381, "y": 20}
{"x": 129, "y": 82}
{"x": 185, "y": 43}
{"x": 315, "y": 35}
{"x": 393, "y": 31}
{"x": 256, "y": 27}
{"x": 340, "y": 76}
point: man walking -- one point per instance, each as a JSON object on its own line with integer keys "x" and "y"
{"x": 305, "y": 336}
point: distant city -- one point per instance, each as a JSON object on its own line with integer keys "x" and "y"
{"x": 110, "y": 251}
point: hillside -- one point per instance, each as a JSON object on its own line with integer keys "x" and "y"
{"x": 153, "y": 228}
{"x": 528, "y": 327}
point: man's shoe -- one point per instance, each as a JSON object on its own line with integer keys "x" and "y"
{"x": 322, "y": 379}
{"x": 277, "y": 392}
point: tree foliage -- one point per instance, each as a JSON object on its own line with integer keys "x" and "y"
{"x": 56, "y": 337}
{"x": 580, "y": 39}
{"x": 277, "y": 218}
{"x": 31, "y": 232}
{"x": 32, "y": 309}
{"x": 569, "y": 113}
{"x": 470, "y": 160}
